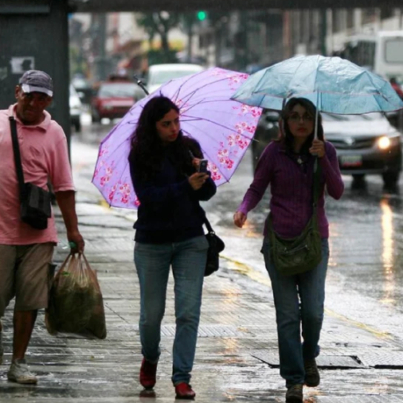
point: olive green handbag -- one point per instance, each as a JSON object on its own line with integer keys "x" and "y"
{"x": 303, "y": 253}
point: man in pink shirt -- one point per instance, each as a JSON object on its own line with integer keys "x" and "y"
{"x": 26, "y": 252}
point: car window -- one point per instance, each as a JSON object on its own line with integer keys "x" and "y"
{"x": 161, "y": 77}
{"x": 124, "y": 90}
{"x": 73, "y": 91}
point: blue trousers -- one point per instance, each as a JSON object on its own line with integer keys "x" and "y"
{"x": 188, "y": 261}
{"x": 299, "y": 300}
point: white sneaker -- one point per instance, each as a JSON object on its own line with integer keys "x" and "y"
{"x": 19, "y": 372}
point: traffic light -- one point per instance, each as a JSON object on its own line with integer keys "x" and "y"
{"x": 201, "y": 15}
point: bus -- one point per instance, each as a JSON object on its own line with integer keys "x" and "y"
{"x": 381, "y": 53}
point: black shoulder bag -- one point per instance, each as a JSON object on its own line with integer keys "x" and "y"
{"x": 216, "y": 245}
{"x": 304, "y": 252}
{"x": 35, "y": 201}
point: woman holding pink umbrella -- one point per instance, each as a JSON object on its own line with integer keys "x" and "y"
{"x": 168, "y": 233}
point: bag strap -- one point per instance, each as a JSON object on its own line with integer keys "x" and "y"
{"x": 17, "y": 157}
{"x": 317, "y": 170}
{"x": 207, "y": 224}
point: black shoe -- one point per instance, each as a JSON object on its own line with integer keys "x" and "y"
{"x": 312, "y": 377}
{"x": 294, "y": 394}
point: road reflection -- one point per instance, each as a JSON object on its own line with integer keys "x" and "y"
{"x": 388, "y": 246}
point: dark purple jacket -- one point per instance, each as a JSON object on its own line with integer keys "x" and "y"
{"x": 291, "y": 189}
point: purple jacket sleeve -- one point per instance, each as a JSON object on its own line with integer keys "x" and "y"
{"x": 331, "y": 171}
{"x": 261, "y": 180}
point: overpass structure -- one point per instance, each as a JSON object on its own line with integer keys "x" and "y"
{"x": 34, "y": 34}
{"x": 183, "y": 5}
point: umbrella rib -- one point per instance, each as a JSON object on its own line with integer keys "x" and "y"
{"x": 193, "y": 119}
{"x": 219, "y": 98}
{"x": 377, "y": 93}
{"x": 289, "y": 94}
{"x": 316, "y": 75}
{"x": 190, "y": 95}
{"x": 205, "y": 153}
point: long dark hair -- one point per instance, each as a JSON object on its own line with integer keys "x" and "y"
{"x": 285, "y": 135}
{"x": 147, "y": 150}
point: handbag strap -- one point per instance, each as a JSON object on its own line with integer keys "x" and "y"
{"x": 317, "y": 170}
{"x": 207, "y": 224}
{"x": 17, "y": 157}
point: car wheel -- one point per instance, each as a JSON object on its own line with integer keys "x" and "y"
{"x": 358, "y": 177}
{"x": 77, "y": 126}
{"x": 95, "y": 116}
{"x": 390, "y": 179}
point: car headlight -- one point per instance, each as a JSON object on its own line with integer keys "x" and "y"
{"x": 386, "y": 142}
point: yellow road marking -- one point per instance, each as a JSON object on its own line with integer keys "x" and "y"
{"x": 261, "y": 278}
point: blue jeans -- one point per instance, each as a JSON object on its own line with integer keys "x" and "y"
{"x": 188, "y": 261}
{"x": 298, "y": 299}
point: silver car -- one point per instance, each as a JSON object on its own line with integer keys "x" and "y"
{"x": 366, "y": 144}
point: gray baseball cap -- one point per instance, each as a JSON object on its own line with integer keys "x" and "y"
{"x": 37, "y": 81}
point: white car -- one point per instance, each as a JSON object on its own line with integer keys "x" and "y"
{"x": 159, "y": 74}
{"x": 76, "y": 109}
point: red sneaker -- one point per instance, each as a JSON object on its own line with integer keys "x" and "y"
{"x": 148, "y": 372}
{"x": 184, "y": 391}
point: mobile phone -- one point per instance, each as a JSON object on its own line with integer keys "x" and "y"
{"x": 203, "y": 166}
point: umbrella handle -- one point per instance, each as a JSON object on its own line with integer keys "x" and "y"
{"x": 140, "y": 84}
{"x": 316, "y": 116}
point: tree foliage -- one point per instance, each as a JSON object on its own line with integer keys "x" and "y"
{"x": 159, "y": 24}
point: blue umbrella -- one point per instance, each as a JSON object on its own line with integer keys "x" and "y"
{"x": 333, "y": 84}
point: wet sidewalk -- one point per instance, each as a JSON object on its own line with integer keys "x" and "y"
{"x": 236, "y": 358}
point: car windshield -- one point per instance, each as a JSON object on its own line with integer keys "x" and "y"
{"x": 351, "y": 118}
{"x": 161, "y": 77}
{"x": 119, "y": 90}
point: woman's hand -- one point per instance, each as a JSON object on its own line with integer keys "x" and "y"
{"x": 318, "y": 148}
{"x": 196, "y": 163}
{"x": 239, "y": 219}
{"x": 198, "y": 179}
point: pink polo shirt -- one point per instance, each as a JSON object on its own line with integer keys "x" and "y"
{"x": 44, "y": 155}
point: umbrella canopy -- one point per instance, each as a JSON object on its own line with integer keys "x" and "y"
{"x": 333, "y": 84}
{"x": 224, "y": 129}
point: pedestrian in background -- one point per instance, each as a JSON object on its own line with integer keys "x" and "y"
{"x": 168, "y": 233}
{"x": 395, "y": 85}
{"x": 287, "y": 165}
{"x": 26, "y": 252}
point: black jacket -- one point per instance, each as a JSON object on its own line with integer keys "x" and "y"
{"x": 169, "y": 208}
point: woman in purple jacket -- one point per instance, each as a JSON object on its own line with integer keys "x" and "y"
{"x": 287, "y": 165}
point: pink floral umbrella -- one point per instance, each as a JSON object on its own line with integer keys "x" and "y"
{"x": 223, "y": 127}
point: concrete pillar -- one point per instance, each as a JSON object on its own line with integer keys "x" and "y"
{"x": 34, "y": 35}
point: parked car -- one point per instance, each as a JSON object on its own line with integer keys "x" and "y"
{"x": 159, "y": 74}
{"x": 83, "y": 88}
{"x": 366, "y": 144}
{"x": 114, "y": 99}
{"x": 75, "y": 109}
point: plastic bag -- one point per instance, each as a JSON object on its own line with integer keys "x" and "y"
{"x": 75, "y": 300}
